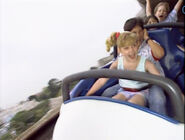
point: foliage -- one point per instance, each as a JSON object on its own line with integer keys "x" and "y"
{"x": 32, "y": 97}
{"x": 51, "y": 91}
{"x": 24, "y": 119}
{"x": 7, "y": 136}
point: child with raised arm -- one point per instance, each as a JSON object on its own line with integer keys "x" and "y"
{"x": 162, "y": 11}
{"x": 131, "y": 91}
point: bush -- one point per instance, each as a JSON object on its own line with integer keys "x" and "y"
{"x": 7, "y": 136}
{"x": 32, "y": 97}
{"x": 51, "y": 91}
{"x": 24, "y": 119}
{"x": 47, "y": 93}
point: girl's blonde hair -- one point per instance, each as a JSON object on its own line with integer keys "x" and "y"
{"x": 111, "y": 41}
{"x": 165, "y": 4}
{"x": 121, "y": 39}
{"x": 126, "y": 39}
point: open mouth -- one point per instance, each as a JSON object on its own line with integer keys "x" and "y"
{"x": 161, "y": 16}
{"x": 132, "y": 56}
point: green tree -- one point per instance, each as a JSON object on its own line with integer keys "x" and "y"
{"x": 24, "y": 119}
{"x": 7, "y": 136}
{"x": 51, "y": 91}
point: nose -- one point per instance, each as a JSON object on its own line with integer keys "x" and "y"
{"x": 131, "y": 50}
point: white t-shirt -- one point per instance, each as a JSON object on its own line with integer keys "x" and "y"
{"x": 145, "y": 50}
{"x": 131, "y": 83}
{"x": 172, "y": 16}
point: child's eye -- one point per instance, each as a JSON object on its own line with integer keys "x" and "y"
{"x": 134, "y": 46}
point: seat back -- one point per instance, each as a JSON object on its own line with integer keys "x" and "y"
{"x": 178, "y": 37}
{"x": 173, "y": 60}
{"x": 84, "y": 85}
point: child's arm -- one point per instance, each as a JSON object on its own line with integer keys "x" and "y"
{"x": 97, "y": 85}
{"x": 178, "y": 5}
{"x": 150, "y": 67}
{"x": 101, "y": 81}
{"x": 148, "y": 8}
{"x": 157, "y": 50}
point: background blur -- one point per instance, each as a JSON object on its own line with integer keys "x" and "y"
{"x": 45, "y": 39}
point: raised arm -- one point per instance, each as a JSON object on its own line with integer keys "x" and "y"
{"x": 101, "y": 81}
{"x": 178, "y": 5}
{"x": 148, "y": 8}
{"x": 157, "y": 50}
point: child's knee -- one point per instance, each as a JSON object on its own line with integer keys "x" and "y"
{"x": 119, "y": 97}
{"x": 139, "y": 100}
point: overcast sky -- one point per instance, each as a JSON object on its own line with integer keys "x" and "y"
{"x": 44, "y": 39}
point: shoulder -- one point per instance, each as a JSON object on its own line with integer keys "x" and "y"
{"x": 148, "y": 63}
{"x": 173, "y": 12}
{"x": 114, "y": 64}
{"x": 155, "y": 41}
{"x": 172, "y": 16}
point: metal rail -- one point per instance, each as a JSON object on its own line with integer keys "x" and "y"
{"x": 165, "y": 25}
{"x": 168, "y": 85}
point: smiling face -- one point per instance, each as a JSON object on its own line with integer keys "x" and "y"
{"x": 129, "y": 52}
{"x": 127, "y": 45}
{"x": 161, "y": 13}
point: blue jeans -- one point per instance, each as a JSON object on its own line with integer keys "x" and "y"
{"x": 111, "y": 91}
{"x": 156, "y": 97}
{"x": 157, "y": 100}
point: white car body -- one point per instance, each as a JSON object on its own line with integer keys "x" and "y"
{"x": 88, "y": 118}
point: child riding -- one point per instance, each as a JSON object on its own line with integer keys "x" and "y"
{"x": 131, "y": 91}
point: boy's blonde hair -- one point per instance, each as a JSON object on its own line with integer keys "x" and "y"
{"x": 165, "y": 4}
{"x": 126, "y": 39}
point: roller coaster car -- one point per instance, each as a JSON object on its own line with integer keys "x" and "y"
{"x": 102, "y": 118}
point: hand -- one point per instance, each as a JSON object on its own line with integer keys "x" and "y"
{"x": 145, "y": 34}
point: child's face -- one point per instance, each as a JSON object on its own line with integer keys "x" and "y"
{"x": 139, "y": 32}
{"x": 151, "y": 21}
{"x": 129, "y": 52}
{"x": 161, "y": 13}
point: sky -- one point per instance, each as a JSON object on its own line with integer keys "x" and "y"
{"x": 45, "y": 39}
